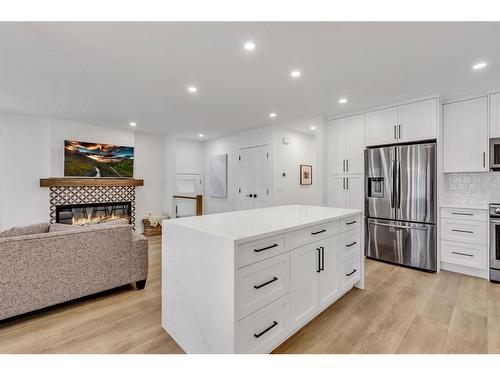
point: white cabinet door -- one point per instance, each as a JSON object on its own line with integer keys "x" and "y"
{"x": 418, "y": 121}
{"x": 495, "y": 115}
{"x": 328, "y": 277}
{"x": 355, "y": 192}
{"x": 465, "y": 136}
{"x": 337, "y": 193}
{"x": 381, "y": 126}
{"x": 304, "y": 267}
{"x": 337, "y": 150}
{"x": 355, "y": 140}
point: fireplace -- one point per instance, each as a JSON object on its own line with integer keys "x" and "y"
{"x": 84, "y": 213}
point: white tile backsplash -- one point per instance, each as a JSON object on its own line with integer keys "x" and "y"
{"x": 472, "y": 188}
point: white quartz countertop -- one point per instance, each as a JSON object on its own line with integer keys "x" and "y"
{"x": 250, "y": 224}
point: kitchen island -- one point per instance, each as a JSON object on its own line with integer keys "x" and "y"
{"x": 245, "y": 281}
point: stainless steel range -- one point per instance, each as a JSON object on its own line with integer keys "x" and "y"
{"x": 495, "y": 242}
{"x": 400, "y": 204}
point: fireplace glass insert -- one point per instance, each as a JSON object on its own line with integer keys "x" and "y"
{"x": 78, "y": 214}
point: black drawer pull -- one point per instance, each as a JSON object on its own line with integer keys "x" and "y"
{"x": 321, "y": 231}
{"x": 266, "y": 283}
{"x": 257, "y": 335}
{"x": 462, "y": 213}
{"x": 351, "y": 244}
{"x": 464, "y": 254}
{"x": 351, "y": 222}
{"x": 265, "y": 248}
{"x": 351, "y": 273}
{"x": 462, "y": 231}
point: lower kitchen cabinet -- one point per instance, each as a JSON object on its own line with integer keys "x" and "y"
{"x": 346, "y": 191}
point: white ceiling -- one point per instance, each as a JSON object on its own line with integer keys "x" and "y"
{"x": 114, "y": 73}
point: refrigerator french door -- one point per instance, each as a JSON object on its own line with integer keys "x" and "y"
{"x": 400, "y": 205}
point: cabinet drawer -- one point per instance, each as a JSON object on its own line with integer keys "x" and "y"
{"x": 350, "y": 241}
{"x": 261, "y": 283}
{"x": 265, "y": 328}
{"x": 464, "y": 254}
{"x": 349, "y": 223}
{"x": 318, "y": 232}
{"x": 464, "y": 214}
{"x": 464, "y": 231}
{"x": 258, "y": 250}
{"x": 350, "y": 271}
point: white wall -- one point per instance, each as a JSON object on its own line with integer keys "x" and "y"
{"x": 24, "y": 158}
{"x": 189, "y": 156}
{"x": 231, "y": 145}
{"x": 32, "y": 148}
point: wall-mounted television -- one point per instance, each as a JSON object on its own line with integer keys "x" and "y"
{"x": 85, "y": 159}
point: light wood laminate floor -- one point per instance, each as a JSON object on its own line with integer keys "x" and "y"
{"x": 400, "y": 311}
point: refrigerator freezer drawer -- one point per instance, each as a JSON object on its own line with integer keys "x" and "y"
{"x": 409, "y": 244}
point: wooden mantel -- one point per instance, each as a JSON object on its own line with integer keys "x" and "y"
{"x": 90, "y": 181}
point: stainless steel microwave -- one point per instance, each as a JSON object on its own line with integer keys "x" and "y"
{"x": 495, "y": 154}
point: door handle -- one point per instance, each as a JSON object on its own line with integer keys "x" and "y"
{"x": 266, "y": 283}
{"x": 347, "y": 184}
{"x": 351, "y": 273}
{"x": 257, "y": 335}
{"x": 464, "y": 254}
{"x": 318, "y": 232}
{"x": 319, "y": 260}
{"x": 322, "y": 267}
{"x": 462, "y": 231}
{"x": 343, "y": 183}
{"x": 398, "y": 226}
{"x": 249, "y": 195}
{"x": 484, "y": 159}
{"x": 343, "y": 165}
{"x": 266, "y": 248}
{"x": 395, "y": 132}
{"x": 351, "y": 244}
{"x": 347, "y": 165}
{"x": 399, "y": 131}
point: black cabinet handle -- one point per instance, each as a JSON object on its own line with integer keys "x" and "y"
{"x": 319, "y": 260}
{"x": 266, "y": 283}
{"x": 255, "y": 195}
{"x": 322, "y": 268}
{"x": 462, "y": 213}
{"x": 464, "y": 254}
{"x": 265, "y": 248}
{"x": 351, "y": 222}
{"x": 351, "y": 244}
{"x": 462, "y": 231}
{"x": 318, "y": 232}
{"x": 257, "y": 335}
{"x": 351, "y": 273}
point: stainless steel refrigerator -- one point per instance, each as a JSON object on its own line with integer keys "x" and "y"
{"x": 400, "y": 205}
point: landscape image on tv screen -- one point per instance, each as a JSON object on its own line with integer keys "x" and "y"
{"x": 84, "y": 159}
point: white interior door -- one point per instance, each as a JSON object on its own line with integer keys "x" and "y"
{"x": 255, "y": 176}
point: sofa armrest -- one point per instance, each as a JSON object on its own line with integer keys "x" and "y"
{"x": 140, "y": 256}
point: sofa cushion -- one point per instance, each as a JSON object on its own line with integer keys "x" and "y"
{"x": 25, "y": 231}
{"x": 58, "y": 227}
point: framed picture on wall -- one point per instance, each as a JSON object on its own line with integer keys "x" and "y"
{"x": 306, "y": 174}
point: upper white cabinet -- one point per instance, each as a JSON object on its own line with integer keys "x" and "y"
{"x": 406, "y": 123}
{"x": 381, "y": 126}
{"x": 465, "y": 136}
{"x": 346, "y": 144}
{"x": 495, "y": 115}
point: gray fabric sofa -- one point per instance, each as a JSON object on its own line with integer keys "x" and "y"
{"x": 40, "y": 267}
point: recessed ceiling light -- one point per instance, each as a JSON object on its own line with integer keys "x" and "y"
{"x": 201, "y": 135}
{"x": 295, "y": 74}
{"x": 342, "y": 100}
{"x": 479, "y": 65}
{"x": 312, "y": 127}
{"x": 272, "y": 115}
{"x": 249, "y": 46}
{"x": 132, "y": 124}
{"x": 192, "y": 89}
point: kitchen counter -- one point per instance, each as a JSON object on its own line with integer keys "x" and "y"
{"x": 245, "y": 281}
